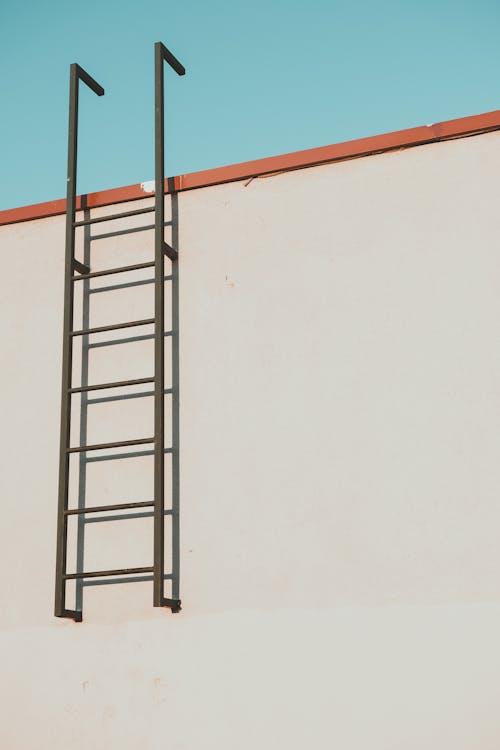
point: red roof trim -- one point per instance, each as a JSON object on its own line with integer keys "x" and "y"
{"x": 459, "y": 128}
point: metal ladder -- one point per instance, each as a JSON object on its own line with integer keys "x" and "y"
{"x": 76, "y": 271}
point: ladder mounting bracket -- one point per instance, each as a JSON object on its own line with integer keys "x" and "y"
{"x": 169, "y": 251}
{"x": 80, "y": 267}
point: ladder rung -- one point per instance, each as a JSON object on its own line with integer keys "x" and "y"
{"x": 125, "y": 285}
{"x": 102, "y": 508}
{"x": 123, "y": 215}
{"x": 117, "y": 384}
{"x": 102, "y": 446}
{"x": 128, "y": 340}
{"x": 113, "y": 327}
{"x": 126, "y": 396}
{"x": 118, "y": 572}
{"x": 120, "y": 456}
{"x": 111, "y": 271}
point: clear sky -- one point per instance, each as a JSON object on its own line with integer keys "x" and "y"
{"x": 264, "y": 77}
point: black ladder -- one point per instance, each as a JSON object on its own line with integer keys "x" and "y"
{"x": 77, "y": 271}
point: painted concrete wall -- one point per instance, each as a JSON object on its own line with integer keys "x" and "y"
{"x": 340, "y": 565}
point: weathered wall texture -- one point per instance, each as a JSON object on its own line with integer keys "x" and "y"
{"x": 340, "y": 514}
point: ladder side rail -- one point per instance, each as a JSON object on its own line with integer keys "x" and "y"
{"x": 84, "y": 397}
{"x": 175, "y": 520}
{"x": 76, "y": 74}
{"x": 161, "y": 55}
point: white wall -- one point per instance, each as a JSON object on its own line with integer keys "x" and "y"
{"x": 340, "y": 565}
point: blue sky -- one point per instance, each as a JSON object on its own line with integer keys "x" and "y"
{"x": 264, "y": 77}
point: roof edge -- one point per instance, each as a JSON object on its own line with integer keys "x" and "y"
{"x": 449, "y": 129}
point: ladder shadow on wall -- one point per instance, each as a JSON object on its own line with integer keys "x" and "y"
{"x": 89, "y": 402}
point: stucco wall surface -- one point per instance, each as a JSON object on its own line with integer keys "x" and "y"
{"x": 340, "y": 515}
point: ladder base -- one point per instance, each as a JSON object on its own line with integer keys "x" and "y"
{"x": 71, "y": 614}
{"x": 174, "y": 604}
